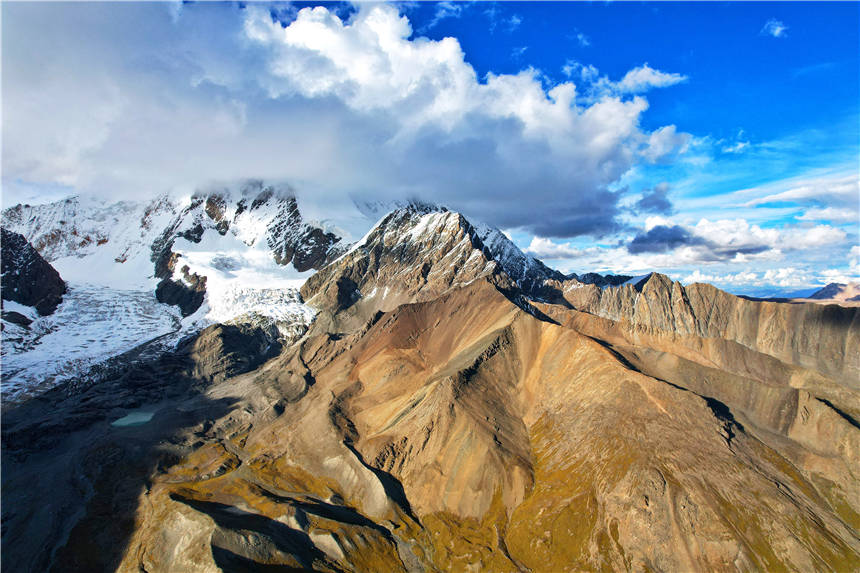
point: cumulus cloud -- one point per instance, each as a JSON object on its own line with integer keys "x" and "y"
{"x": 742, "y": 278}
{"x": 661, "y": 239}
{"x": 775, "y": 28}
{"x": 644, "y": 78}
{"x": 136, "y": 99}
{"x": 731, "y": 240}
{"x": 663, "y": 143}
{"x": 544, "y": 248}
{"x": 783, "y": 277}
{"x": 655, "y": 200}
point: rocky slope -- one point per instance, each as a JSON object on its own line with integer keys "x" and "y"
{"x": 820, "y": 338}
{"x": 838, "y": 291}
{"x": 416, "y": 253}
{"x": 452, "y": 409}
{"x": 27, "y": 278}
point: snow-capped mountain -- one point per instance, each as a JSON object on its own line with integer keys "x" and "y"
{"x": 418, "y": 252}
{"x": 223, "y": 255}
{"x": 431, "y": 354}
{"x": 218, "y": 256}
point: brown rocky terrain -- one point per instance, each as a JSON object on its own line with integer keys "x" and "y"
{"x": 443, "y": 415}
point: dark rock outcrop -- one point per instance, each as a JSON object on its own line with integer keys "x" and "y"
{"x": 600, "y": 280}
{"x": 222, "y": 351}
{"x": 294, "y": 241}
{"x": 188, "y": 295}
{"x": 27, "y": 277}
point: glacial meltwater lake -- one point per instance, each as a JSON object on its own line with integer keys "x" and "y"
{"x": 135, "y": 418}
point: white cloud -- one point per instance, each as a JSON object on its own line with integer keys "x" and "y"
{"x": 740, "y": 278}
{"x": 740, "y": 144}
{"x": 775, "y": 28}
{"x": 786, "y": 277}
{"x": 836, "y": 188}
{"x": 544, "y": 248}
{"x": 665, "y": 141}
{"x": 657, "y": 221}
{"x": 446, "y": 10}
{"x": 644, "y": 78}
{"x": 736, "y": 147}
{"x": 830, "y": 214}
{"x": 636, "y": 81}
{"x": 128, "y": 103}
{"x": 736, "y": 234}
{"x": 818, "y": 236}
{"x": 518, "y": 52}
{"x": 583, "y": 40}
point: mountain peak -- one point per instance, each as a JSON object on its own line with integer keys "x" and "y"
{"x": 838, "y": 291}
{"x": 418, "y": 252}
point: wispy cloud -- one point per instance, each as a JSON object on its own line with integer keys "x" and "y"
{"x": 738, "y": 145}
{"x": 497, "y": 19}
{"x": 636, "y": 81}
{"x": 813, "y": 69}
{"x": 775, "y": 28}
{"x": 827, "y": 189}
{"x": 445, "y": 11}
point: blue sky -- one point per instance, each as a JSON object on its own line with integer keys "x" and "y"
{"x": 711, "y": 141}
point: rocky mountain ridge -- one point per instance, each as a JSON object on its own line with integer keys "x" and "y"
{"x": 417, "y": 253}
{"x": 27, "y": 278}
{"x": 454, "y": 406}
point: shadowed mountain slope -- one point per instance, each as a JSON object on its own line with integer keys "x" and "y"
{"x": 449, "y": 410}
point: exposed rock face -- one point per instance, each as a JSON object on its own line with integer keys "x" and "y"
{"x": 439, "y": 415}
{"x": 600, "y": 280}
{"x": 823, "y": 338}
{"x": 221, "y": 351}
{"x": 417, "y": 253}
{"x": 27, "y": 277}
{"x": 187, "y": 296}
{"x": 292, "y": 240}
